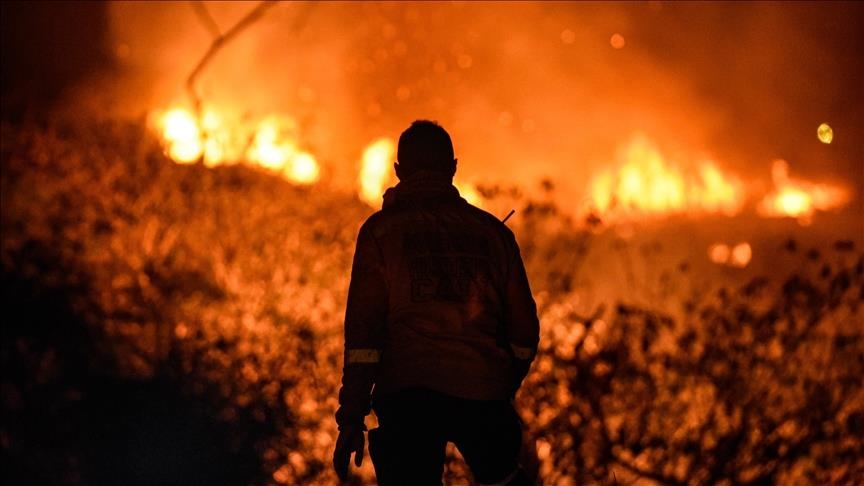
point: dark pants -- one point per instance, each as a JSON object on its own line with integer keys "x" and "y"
{"x": 409, "y": 445}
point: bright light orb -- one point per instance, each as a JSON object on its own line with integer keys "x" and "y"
{"x": 741, "y": 255}
{"x": 825, "y": 133}
{"x": 719, "y": 253}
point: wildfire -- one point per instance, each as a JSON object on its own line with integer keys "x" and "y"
{"x": 646, "y": 184}
{"x": 643, "y": 184}
{"x": 216, "y": 140}
{"x": 799, "y": 199}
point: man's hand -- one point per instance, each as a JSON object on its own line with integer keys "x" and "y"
{"x": 350, "y": 441}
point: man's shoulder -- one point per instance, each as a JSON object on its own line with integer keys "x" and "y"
{"x": 380, "y": 222}
{"x": 490, "y": 220}
{"x": 374, "y": 220}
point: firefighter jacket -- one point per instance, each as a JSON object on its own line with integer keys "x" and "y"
{"x": 438, "y": 299}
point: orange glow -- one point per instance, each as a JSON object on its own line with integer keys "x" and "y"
{"x": 376, "y": 171}
{"x": 617, "y": 41}
{"x": 799, "y": 199}
{"x": 644, "y": 183}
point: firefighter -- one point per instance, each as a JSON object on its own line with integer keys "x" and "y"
{"x": 440, "y": 329}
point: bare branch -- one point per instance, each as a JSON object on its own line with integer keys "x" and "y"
{"x": 204, "y": 16}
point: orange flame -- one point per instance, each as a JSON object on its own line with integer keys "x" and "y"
{"x": 646, "y": 184}
{"x": 216, "y": 141}
{"x": 182, "y": 135}
{"x": 799, "y": 199}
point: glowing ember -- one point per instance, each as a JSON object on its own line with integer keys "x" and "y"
{"x": 825, "y": 133}
{"x": 799, "y": 199}
{"x": 617, "y": 41}
{"x": 376, "y": 171}
{"x": 645, "y": 183}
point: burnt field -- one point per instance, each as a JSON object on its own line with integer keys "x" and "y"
{"x": 174, "y": 324}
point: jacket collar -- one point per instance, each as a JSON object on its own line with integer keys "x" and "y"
{"x": 422, "y": 185}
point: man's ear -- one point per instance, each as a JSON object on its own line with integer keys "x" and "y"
{"x": 452, "y": 171}
{"x": 398, "y": 169}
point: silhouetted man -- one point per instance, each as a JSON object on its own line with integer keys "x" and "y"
{"x": 440, "y": 319}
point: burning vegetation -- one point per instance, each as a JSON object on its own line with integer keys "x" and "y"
{"x": 174, "y": 285}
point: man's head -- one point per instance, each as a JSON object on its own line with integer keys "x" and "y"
{"x": 425, "y": 145}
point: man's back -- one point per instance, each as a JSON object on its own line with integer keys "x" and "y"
{"x": 448, "y": 267}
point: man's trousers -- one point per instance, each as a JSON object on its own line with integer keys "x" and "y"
{"x": 409, "y": 445}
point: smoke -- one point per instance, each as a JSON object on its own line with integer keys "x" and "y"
{"x": 529, "y": 91}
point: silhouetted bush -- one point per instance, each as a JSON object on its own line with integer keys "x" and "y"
{"x": 168, "y": 324}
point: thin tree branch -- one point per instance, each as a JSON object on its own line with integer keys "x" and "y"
{"x": 205, "y": 18}
{"x": 217, "y": 44}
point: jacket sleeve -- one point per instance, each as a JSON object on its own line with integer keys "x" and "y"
{"x": 522, "y": 328}
{"x": 365, "y": 316}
